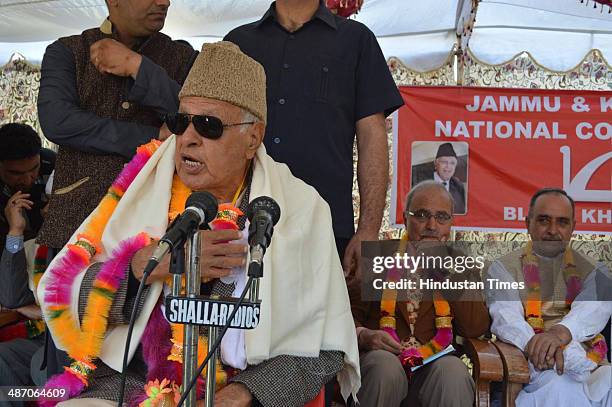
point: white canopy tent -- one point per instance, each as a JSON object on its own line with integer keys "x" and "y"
{"x": 558, "y": 33}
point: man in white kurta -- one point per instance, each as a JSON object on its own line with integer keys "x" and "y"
{"x": 560, "y": 372}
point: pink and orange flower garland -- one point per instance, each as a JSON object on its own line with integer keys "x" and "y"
{"x": 414, "y": 355}
{"x": 83, "y": 343}
{"x": 597, "y": 348}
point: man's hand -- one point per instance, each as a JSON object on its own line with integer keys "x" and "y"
{"x": 140, "y": 260}
{"x": 352, "y": 254}
{"x": 545, "y": 350}
{"x": 31, "y": 311}
{"x": 233, "y": 395}
{"x": 220, "y": 254}
{"x": 14, "y": 212}
{"x": 112, "y": 57}
{"x": 370, "y": 339}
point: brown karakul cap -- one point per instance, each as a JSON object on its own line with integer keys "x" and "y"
{"x": 223, "y": 72}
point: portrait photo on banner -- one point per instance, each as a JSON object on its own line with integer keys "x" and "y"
{"x": 444, "y": 162}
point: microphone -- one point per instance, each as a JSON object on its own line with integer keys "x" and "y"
{"x": 263, "y": 213}
{"x": 200, "y": 208}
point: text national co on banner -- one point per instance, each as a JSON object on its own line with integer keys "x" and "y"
{"x": 495, "y": 147}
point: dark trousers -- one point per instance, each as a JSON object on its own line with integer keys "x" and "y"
{"x": 15, "y": 363}
{"x": 341, "y": 244}
{"x": 444, "y": 382}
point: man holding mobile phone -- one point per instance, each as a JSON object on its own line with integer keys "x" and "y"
{"x": 25, "y": 168}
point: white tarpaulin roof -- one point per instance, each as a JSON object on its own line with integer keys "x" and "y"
{"x": 558, "y": 33}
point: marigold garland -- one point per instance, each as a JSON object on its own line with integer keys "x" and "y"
{"x": 180, "y": 194}
{"x": 177, "y": 354}
{"x": 597, "y": 348}
{"x": 161, "y": 394}
{"x": 414, "y": 356}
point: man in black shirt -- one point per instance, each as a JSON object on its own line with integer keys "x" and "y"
{"x": 327, "y": 80}
{"x": 25, "y": 168}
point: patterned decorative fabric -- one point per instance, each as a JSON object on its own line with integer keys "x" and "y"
{"x": 523, "y": 71}
{"x": 444, "y": 75}
{"x": 19, "y": 84}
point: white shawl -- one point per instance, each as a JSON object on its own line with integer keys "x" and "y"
{"x": 305, "y": 305}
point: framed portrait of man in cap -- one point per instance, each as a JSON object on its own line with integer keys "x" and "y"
{"x": 446, "y": 163}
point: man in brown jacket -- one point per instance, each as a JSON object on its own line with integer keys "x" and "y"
{"x": 102, "y": 94}
{"x": 445, "y": 381}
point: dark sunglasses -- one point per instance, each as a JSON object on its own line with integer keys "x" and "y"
{"x": 210, "y": 127}
{"x": 423, "y": 215}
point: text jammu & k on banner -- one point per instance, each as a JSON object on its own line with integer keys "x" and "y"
{"x": 495, "y": 147}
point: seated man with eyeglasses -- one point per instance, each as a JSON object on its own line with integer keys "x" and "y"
{"x": 407, "y": 327}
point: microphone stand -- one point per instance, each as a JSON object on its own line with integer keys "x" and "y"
{"x": 271, "y": 214}
{"x": 211, "y": 373}
{"x": 190, "y": 344}
{"x": 177, "y": 269}
{"x": 254, "y": 273}
{"x": 217, "y": 343}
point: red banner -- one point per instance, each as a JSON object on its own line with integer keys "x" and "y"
{"x": 494, "y": 148}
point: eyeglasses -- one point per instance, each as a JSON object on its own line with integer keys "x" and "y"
{"x": 423, "y": 215}
{"x": 209, "y": 127}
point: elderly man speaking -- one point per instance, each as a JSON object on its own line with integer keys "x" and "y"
{"x": 305, "y": 335}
